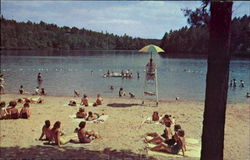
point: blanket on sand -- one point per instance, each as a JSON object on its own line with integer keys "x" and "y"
{"x": 100, "y": 119}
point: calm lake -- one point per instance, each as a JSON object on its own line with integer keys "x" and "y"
{"x": 65, "y": 71}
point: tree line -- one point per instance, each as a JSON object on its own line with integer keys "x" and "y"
{"x": 28, "y": 35}
{"x": 194, "y": 39}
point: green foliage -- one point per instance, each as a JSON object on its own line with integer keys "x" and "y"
{"x": 194, "y": 40}
{"x": 20, "y": 35}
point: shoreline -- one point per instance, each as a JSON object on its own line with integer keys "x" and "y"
{"x": 122, "y": 133}
{"x": 123, "y": 98}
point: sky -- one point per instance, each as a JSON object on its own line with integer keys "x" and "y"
{"x": 144, "y": 19}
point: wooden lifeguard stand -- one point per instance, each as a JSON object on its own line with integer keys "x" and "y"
{"x": 150, "y": 87}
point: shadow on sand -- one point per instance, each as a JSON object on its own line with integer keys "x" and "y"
{"x": 54, "y": 152}
{"x": 123, "y": 104}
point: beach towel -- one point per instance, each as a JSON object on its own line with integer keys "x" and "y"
{"x": 192, "y": 145}
{"x": 101, "y": 119}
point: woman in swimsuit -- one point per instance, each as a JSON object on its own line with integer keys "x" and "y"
{"x": 85, "y": 136}
{"x": 160, "y": 138}
{"x": 25, "y": 112}
{"x": 174, "y": 149}
{"x": 46, "y": 131}
{"x": 56, "y": 135}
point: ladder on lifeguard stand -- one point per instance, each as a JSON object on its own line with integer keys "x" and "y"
{"x": 150, "y": 80}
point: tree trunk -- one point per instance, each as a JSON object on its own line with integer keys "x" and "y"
{"x": 217, "y": 81}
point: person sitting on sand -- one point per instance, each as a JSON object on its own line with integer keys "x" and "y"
{"x": 174, "y": 138}
{"x": 85, "y": 136}
{"x": 3, "y": 111}
{"x": 81, "y": 113}
{"x": 43, "y": 92}
{"x": 98, "y": 100}
{"x": 155, "y": 116}
{"x": 56, "y": 134}
{"x": 25, "y": 112}
{"x": 21, "y": 90}
{"x": 85, "y": 101}
{"x": 46, "y": 131}
{"x": 121, "y": 92}
{"x": 163, "y": 138}
{"x": 12, "y": 110}
{"x": 91, "y": 116}
{"x": 174, "y": 149}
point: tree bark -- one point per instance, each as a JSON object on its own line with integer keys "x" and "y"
{"x": 217, "y": 81}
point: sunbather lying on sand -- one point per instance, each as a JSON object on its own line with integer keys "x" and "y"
{"x": 46, "y": 131}
{"x": 81, "y": 113}
{"x": 163, "y": 138}
{"x": 92, "y": 116}
{"x": 174, "y": 149}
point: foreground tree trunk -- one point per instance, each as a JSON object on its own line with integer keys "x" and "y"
{"x": 217, "y": 81}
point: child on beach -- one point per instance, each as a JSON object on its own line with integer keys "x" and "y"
{"x": 25, "y": 112}
{"x": 43, "y": 92}
{"x": 85, "y": 101}
{"x": 46, "y": 131}
{"x": 98, "y": 100}
{"x": 121, "y": 92}
{"x": 21, "y": 90}
{"x": 81, "y": 113}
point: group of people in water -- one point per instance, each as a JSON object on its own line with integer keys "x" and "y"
{"x": 233, "y": 83}
{"x": 169, "y": 142}
{"x": 11, "y": 112}
{"x": 124, "y": 74}
{"x": 56, "y": 136}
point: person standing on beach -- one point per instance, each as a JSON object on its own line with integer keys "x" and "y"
{"x": 39, "y": 77}
{"x": 21, "y": 90}
{"x": 1, "y": 84}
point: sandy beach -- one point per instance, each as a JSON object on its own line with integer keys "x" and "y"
{"x": 121, "y": 134}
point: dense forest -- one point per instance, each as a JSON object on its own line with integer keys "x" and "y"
{"x": 21, "y": 35}
{"x": 187, "y": 40}
{"x": 194, "y": 39}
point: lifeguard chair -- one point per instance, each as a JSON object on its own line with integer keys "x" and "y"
{"x": 150, "y": 87}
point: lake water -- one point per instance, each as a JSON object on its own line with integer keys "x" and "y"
{"x": 65, "y": 71}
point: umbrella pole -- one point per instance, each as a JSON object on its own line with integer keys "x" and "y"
{"x": 151, "y": 55}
